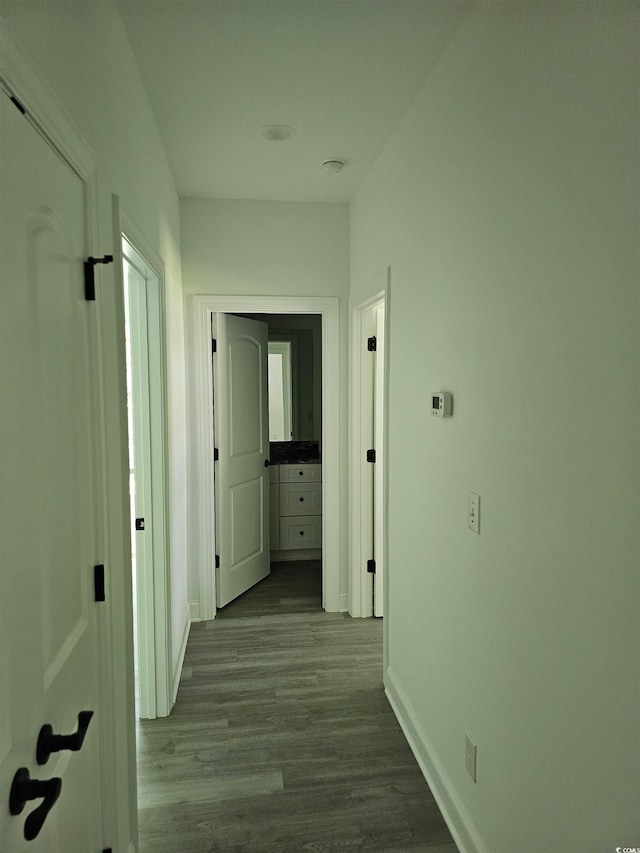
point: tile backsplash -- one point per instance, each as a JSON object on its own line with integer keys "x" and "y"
{"x": 283, "y": 452}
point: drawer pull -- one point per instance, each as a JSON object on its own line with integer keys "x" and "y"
{"x": 301, "y": 500}
{"x": 301, "y": 473}
{"x": 302, "y": 533}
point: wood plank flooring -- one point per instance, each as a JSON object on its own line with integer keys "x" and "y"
{"x": 282, "y": 739}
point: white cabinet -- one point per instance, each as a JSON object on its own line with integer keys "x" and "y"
{"x": 274, "y": 506}
{"x": 300, "y": 531}
{"x": 297, "y": 473}
{"x": 296, "y": 508}
{"x": 300, "y": 498}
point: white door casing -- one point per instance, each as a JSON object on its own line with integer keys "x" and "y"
{"x": 203, "y": 307}
{"x": 379, "y": 467}
{"x": 368, "y": 428}
{"x": 241, "y": 434}
{"x": 49, "y": 502}
{"x": 141, "y": 487}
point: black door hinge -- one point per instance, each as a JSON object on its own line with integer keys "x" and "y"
{"x": 16, "y": 103}
{"x": 216, "y": 454}
{"x": 371, "y": 567}
{"x": 371, "y": 455}
{"x": 90, "y": 275}
{"x": 372, "y": 344}
{"x": 108, "y": 850}
{"x": 98, "y": 582}
{"x": 214, "y": 345}
{"x": 217, "y": 561}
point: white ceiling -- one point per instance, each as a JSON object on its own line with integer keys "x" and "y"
{"x": 342, "y": 72}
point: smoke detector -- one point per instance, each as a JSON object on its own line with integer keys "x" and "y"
{"x": 333, "y": 167}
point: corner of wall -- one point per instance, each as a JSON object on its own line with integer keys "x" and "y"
{"x": 456, "y": 816}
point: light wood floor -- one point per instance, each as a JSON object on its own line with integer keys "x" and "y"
{"x": 282, "y": 739}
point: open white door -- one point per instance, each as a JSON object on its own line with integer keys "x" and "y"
{"x": 49, "y": 664}
{"x": 140, "y": 486}
{"x": 241, "y": 423}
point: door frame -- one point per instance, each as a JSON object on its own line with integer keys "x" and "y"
{"x": 155, "y": 646}
{"x": 117, "y": 749}
{"x": 203, "y": 306}
{"x": 361, "y": 301}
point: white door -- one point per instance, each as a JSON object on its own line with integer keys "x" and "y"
{"x": 48, "y": 649}
{"x": 241, "y": 424}
{"x": 135, "y": 303}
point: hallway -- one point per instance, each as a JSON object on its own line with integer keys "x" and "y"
{"x": 281, "y": 738}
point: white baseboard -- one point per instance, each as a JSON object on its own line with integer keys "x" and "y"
{"x": 194, "y": 611}
{"x": 343, "y": 602}
{"x": 456, "y": 816}
{"x": 177, "y": 671}
{"x": 296, "y": 554}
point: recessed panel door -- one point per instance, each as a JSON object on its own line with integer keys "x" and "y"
{"x": 49, "y": 663}
{"x": 241, "y": 416}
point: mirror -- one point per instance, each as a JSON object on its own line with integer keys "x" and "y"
{"x": 280, "y": 391}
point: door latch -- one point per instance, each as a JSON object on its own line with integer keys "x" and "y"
{"x": 139, "y": 523}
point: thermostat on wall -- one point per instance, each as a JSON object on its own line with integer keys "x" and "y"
{"x": 441, "y": 404}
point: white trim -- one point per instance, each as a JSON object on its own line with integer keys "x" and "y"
{"x": 42, "y": 107}
{"x": 177, "y": 670}
{"x": 328, "y": 307}
{"x": 344, "y": 602}
{"x": 296, "y": 555}
{"x": 361, "y": 301}
{"x": 457, "y": 818}
{"x": 194, "y": 611}
{"x": 156, "y": 326}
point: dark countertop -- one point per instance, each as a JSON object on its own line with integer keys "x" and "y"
{"x": 294, "y": 452}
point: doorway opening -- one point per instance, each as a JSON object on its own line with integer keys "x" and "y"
{"x": 144, "y": 346}
{"x": 369, "y": 312}
{"x": 267, "y": 400}
{"x": 330, "y": 537}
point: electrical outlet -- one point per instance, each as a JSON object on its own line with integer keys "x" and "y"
{"x": 470, "y": 756}
{"x": 474, "y": 512}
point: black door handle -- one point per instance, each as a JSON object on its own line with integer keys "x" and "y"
{"x": 23, "y": 789}
{"x": 267, "y": 462}
{"x": 49, "y": 742}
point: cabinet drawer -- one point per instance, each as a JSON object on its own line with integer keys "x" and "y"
{"x": 300, "y": 498}
{"x": 301, "y": 532}
{"x": 297, "y": 473}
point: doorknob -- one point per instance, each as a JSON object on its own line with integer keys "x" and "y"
{"x": 23, "y": 789}
{"x": 49, "y": 742}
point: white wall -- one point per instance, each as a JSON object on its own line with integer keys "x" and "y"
{"x": 507, "y": 207}
{"x": 80, "y": 50}
{"x": 237, "y": 247}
